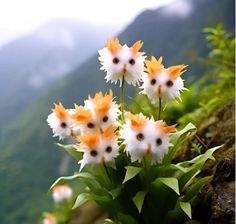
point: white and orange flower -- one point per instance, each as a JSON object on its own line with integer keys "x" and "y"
{"x": 97, "y": 114}
{"x": 49, "y": 219}
{"x": 161, "y": 82}
{"x": 143, "y": 136}
{"x": 98, "y": 148}
{"x": 118, "y": 61}
{"x": 60, "y": 122}
{"x": 61, "y": 193}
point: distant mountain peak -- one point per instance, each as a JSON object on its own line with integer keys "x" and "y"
{"x": 180, "y": 8}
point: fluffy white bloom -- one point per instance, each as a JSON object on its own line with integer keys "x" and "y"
{"x": 161, "y": 82}
{"x": 61, "y": 193}
{"x": 143, "y": 136}
{"x": 98, "y": 114}
{"x": 60, "y": 122}
{"x": 118, "y": 61}
{"x": 49, "y": 219}
{"x": 98, "y": 148}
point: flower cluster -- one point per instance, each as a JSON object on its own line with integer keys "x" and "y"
{"x": 49, "y": 219}
{"x": 143, "y": 136}
{"x": 61, "y": 193}
{"x": 101, "y": 126}
{"x": 127, "y": 147}
{"x": 162, "y": 82}
{"x": 93, "y": 125}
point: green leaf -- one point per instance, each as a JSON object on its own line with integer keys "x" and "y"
{"x": 131, "y": 172}
{"x": 71, "y": 150}
{"x": 176, "y": 142}
{"x": 204, "y": 157}
{"x": 195, "y": 188}
{"x": 192, "y": 222}
{"x": 127, "y": 219}
{"x": 85, "y": 197}
{"x": 109, "y": 221}
{"x": 170, "y": 182}
{"x": 62, "y": 180}
{"x": 186, "y": 207}
{"x": 175, "y": 137}
{"x": 82, "y": 199}
{"x": 115, "y": 192}
{"x": 138, "y": 200}
{"x": 187, "y": 178}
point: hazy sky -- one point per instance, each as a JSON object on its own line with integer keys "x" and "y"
{"x": 18, "y": 17}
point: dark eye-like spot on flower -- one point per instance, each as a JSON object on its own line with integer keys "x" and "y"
{"x": 63, "y": 125}
{"x": 93, "y": 153}
{"x": 90, "y": 125}
{"x": 105, "y": 119}
{"x": 115, "y": 60}
{"x": 169, "y": 83}
{"x": 108, "y": 149}
{"x": 132, "y": 61}
{"x": 153, "y": 81}
{"x": 158, "y": 141}
{"x": 140, "y": 137}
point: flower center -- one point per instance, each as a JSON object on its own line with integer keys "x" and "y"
{"x": 132, "y": 61}
{"x": 108, "y": 149}
{"x": 140, "y": 137}
{"x": 93, "y": 153}
{"x": 105, "y": 119}
{"x": 158, "y": 141}
{"x": 169, "y": 83}
{"x": 153, "y": 81}
{"x": 90, "y": 125}
{"x": 63, "y": 125}
{"x": 115, "y": 60}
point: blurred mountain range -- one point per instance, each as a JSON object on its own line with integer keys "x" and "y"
{"x": 29, "y": 160}
{"x": 30, "y": 64}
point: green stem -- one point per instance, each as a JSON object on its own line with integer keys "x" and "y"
{"x": 122, "y": 99}
{"x": 159, "y": 109}
{"x": 108, "y": 175}
{"x": 146, "y": 166}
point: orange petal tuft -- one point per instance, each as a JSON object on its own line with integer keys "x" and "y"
{"x": 177, "y": 70}
{"x": 81, "y": 115}
{"x": 102, "y": 103}
{"x": 166, "y": 129}
{"x": 136, "y": 46}
{"x": 109, "y": 133}
{"x": 50, "y": 217}
{"x": 137, "y": 120}
{"x": 113, "y": 45}
{"x": 89, "y": 139}
{"x": 154, "y": 65}
{"x": 60, "y": 111}
{"x": 60, "y": 187}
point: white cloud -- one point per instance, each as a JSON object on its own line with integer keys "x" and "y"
{"x": 180, "y": 8}
{"x": 57, "y": 36}
{"x": 19, "y": 17}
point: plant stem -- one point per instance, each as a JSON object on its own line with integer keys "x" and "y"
{"x": 159, "y": 109}
{"x": 122, "y": 99}
{"x": 146, "y": 166}
{"x": 108, "y": 175}
{"x": 199, "y": 139}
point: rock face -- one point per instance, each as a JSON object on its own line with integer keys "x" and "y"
{"x": 217, "y": 199}
{"x": 90, "y": 213}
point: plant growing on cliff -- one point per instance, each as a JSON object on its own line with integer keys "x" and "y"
{"x": 125, "y": 159}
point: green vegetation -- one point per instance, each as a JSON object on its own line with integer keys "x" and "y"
{"x": 29, "y": 162}
{"x": 213, "y": 90}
